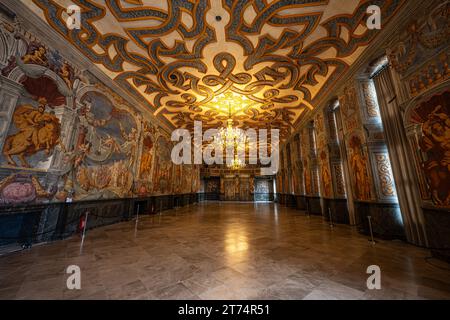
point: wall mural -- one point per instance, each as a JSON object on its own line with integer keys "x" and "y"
{"x": 425, "y": 39}
{"x": 304, "y": 137}
{"x": 349, "y": 109}
{"x": 433, "y": 120}
{"x": 163, "y": 172}
{"x": 147, "y": 150}
{"x": 35, "y": 129}
{"x": 169, "y": 54}
{"x": 68, "y": 137}
{"x": 322, "y": 166}
{"x": 325, "y": 175}
{"x": 420, "y": 57}
{"x": 323, "y": 157}
{"x": 196, "y": 181}
{"x": 307, "y": 177}
{"x": 104, "y": 158}
{"x": 358, "y": 159}
{"x": 186, "y": 178}
{"x": 359, "y": 167}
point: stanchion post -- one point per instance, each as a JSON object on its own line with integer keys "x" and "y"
{"x": 331, "y": 217}
{"x": 307, "y": 208}
{"x": 84, "y": 231}
{"x": 370, "y": 229}
{"x": 137, "y": 220}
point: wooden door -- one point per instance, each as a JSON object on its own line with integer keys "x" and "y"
{"x": 229, "y": 187}
{"x": 244, "y": 192}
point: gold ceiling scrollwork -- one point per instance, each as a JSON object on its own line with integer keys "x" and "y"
{"x": 179, "y": 55}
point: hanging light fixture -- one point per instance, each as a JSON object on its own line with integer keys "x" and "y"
{"x": 235, "y": 139}
{"x": 230, "y": 137}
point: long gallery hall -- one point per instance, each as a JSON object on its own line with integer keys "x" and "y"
{"x": 224, "y": 150}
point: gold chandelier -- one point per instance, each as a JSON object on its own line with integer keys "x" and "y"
{"x": 235, "y": 139}
{"x": 229, "y": 136}
{"x": 236, "y": 164}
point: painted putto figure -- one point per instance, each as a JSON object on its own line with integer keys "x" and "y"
{"x": 37, "y": 54}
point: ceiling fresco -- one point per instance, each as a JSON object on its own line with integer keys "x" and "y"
{"x": 180, "y": 57}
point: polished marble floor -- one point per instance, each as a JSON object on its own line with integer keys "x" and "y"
{"x": 224, "y": 251}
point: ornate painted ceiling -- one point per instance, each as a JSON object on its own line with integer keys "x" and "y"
{"x": 181, "y": 57}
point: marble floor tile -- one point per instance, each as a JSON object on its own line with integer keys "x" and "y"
{"x": 219, "y": 250}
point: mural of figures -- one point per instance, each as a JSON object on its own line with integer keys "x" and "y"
{"x": 38, "y": 130}
{"x": 103, "y": 159}
{"x": 64, "y": 134}
{"x": 298, "y": 177}
{"x": 186, "y": 179}
{"x": 348, "y": 103}
{"x": 325, "y": 175}
{"x": 359, "y": 168}
{"x": 147, "y": 151}
{"x": 304, "y": 163}
{"x": 178, "y": 179}
{"x": 434, "y": 117}
{"x": 307, "y": 178}
{"x": 319, "y": 124}
{"x": 37, "y": 54}
{"x": 196, "y": 179}
{"x": 162, "y": 175}
{"x": 323, "y": 157}
{"x": 35, "y": 129}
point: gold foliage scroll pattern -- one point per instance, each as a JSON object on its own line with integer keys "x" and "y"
{"x": 422, "y": 40}
{"x": 276, "y": 72}
{"x": 384, "y": 172}
{"x": 428, "y": 34}
{"x": 370, "y": 99}
{"x": 339, "y": 176}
